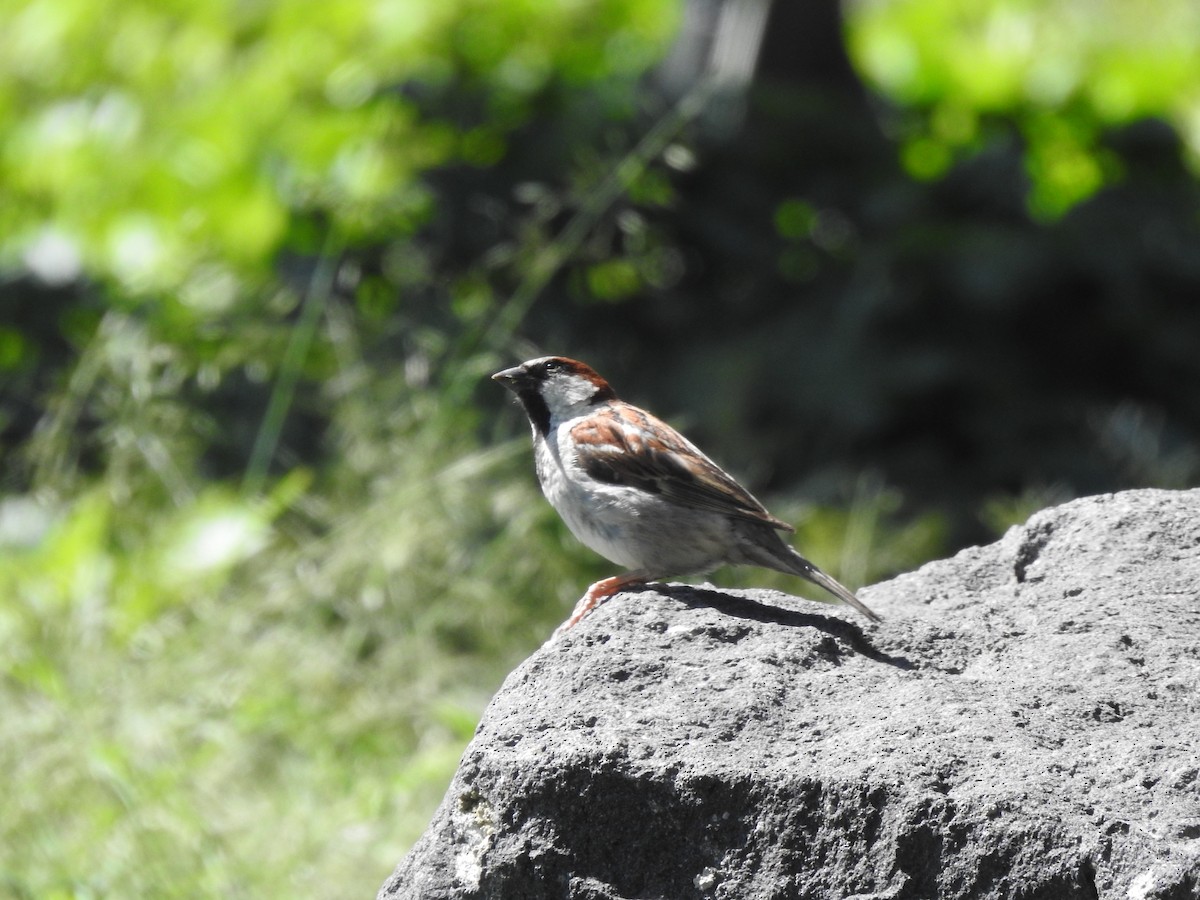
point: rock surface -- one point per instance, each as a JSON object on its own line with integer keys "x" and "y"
{"x": 1024, "y": 724}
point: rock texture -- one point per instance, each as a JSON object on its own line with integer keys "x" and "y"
{"x": 1024, "y": 724}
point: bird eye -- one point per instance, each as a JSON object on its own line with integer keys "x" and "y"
{"x": 551, "y": 365}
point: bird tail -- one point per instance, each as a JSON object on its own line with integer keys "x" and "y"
{"x": 771, "y": 551}
{"x": 843, "y": 593}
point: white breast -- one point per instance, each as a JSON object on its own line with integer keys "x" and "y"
{"x": 629, "y": 527}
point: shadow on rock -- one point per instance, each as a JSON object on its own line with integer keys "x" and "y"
{"x": 745, "y": 608}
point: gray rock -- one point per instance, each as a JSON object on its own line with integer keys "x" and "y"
{"x": 1024, "y": 724}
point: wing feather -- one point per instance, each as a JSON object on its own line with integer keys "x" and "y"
{"x": 622, "y": 444}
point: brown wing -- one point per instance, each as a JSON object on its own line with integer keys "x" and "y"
{"x": 622, "y": 444}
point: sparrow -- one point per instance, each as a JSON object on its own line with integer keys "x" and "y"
{"x": 639, "y": 493}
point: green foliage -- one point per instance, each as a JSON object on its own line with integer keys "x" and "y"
{"x": 1065, "y": 70}
{"x": 241, "y": 697}
{"x": 231, "y": 124}
{"x": 259, "y": 576}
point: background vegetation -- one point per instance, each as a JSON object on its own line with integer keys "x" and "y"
{"x": 268, "y": 537}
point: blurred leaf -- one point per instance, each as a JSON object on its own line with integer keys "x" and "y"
{"x": 1090, "y": 64}
{"x": 613, "y": 279}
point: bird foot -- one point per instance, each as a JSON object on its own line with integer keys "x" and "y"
{"x": 597, "y": 594}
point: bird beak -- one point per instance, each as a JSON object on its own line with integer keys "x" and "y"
{"x": 510, "y": 378}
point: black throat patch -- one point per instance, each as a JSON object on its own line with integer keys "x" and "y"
{"x": 536, "y": 409}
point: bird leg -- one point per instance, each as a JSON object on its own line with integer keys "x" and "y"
{"x": 598, "y": 593}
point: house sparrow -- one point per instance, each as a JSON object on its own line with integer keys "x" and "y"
{"x": 639, "y": 493}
